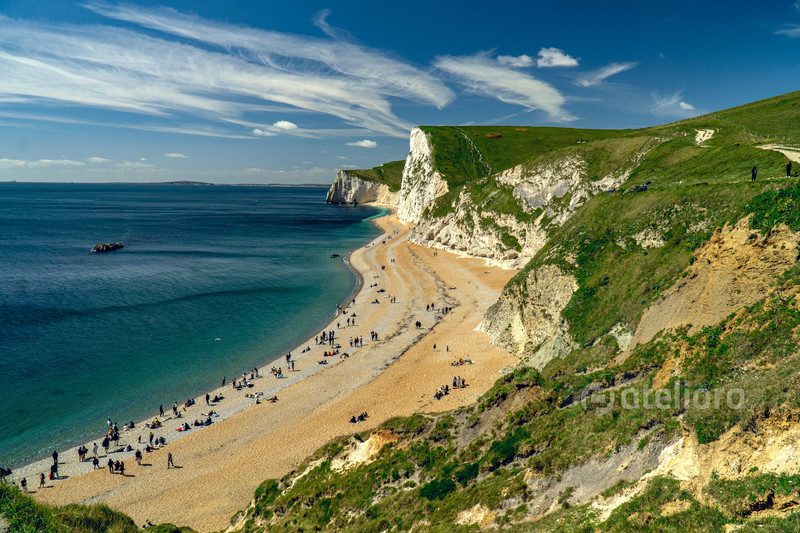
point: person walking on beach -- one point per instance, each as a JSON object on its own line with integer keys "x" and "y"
{"x": 110, "y": 466}
{"x": 55, "y": 457}
{"x": 95, "y": 463}
{"x": 41, "y": 480}
{"x": 161, "y": 410}
{"x": 24, "y": 485}
{"x": 94, "y": 449}
{"x": 169, "y": 461}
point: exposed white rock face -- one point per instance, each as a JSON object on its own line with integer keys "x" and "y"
{"x": 527, "y": 320}
{"x": 348, "y": 188}
{"x": 556, "y": 189}
{"x": 421, "y": 184}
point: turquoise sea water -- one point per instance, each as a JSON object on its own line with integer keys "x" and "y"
{"x": 85, "y": 336}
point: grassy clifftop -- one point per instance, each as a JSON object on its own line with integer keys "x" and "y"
{"x": 390, "y": 174}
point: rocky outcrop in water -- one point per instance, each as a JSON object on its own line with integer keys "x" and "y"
{"x": 107, "y": 247}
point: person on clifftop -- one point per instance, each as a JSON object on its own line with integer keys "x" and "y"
{"x": 754, "y": 173}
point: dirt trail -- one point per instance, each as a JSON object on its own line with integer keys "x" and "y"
{"x": 793, "y": 154}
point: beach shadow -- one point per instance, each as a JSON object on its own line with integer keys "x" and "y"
{"x": 176, "y": 466}
{"x": 146, "y": 464}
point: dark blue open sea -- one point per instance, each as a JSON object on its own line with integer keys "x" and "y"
{"x": 87, "y": 336}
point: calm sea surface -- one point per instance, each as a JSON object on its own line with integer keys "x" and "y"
{"x": 85, "y": 336}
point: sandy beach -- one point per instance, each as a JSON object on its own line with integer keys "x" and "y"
{"x": 219, "y": 466}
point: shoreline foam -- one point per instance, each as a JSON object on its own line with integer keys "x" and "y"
{"x": 394, "y": 376}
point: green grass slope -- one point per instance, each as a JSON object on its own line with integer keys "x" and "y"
{"x": 531, "y": 431}
{"x": 390, "y": 174}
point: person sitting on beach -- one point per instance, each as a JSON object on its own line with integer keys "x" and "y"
{"x": 353, "y": 419}
{"x": 147, "y": 524}
{"x": 323, "y": 362}
{"x": 273, "y": 399}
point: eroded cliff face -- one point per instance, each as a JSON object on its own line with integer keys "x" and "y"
{"x": 349, "y": 188}
{"x": 422, "y": 183}
{"x": 527, "y": 321}
{"x": 547, "y": 194}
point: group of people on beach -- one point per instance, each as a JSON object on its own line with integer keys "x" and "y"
{"x": 328, "y": 337}
{"x": 358, "y": 418}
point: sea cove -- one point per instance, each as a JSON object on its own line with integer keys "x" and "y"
{"x": 212, "y": 281}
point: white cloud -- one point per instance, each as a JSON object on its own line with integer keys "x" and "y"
{"x": 596, "y": 77}
{"x": 40, "y": 163}
{"x": 285, "y": 125}
{"x": 519, "y": 62}
{"x": 672, "y": 106}
{"x": 223, "y": 72}
{"x": 482, "y": 75}
{"x": 555, "y": 57}
{"x": 262, "y": 133}
{"x": 366, "y": 143}
{"x": 176, "y": 155}
{"x": 791, "y": 30}
{"x": 135, "y": 164}
{"x": 97, "y": 160}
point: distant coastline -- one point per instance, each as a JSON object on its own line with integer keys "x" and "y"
{"x": 183, "y": 182}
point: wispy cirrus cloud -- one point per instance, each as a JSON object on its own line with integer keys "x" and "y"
{"x": 596, "y": 77}
{"x": 205, "y": 70}
{"x": 40, "y": 163}
{"x": 791, "y": 30}
{"x": 483, "y": 75}
{"x": 520, "y": 61}
{"x": 672, "y": 106}
{"x": 176, "y": 155}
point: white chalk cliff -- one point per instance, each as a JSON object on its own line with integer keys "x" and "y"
{"x": 349, "y": 188}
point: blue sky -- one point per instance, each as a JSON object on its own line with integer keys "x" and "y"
{"x": 265, "y": 92}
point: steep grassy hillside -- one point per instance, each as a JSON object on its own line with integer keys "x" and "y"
{"x": 21, "y": 514}
{"x": 627, "y": 416}
{"x": 389, "y": 173}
